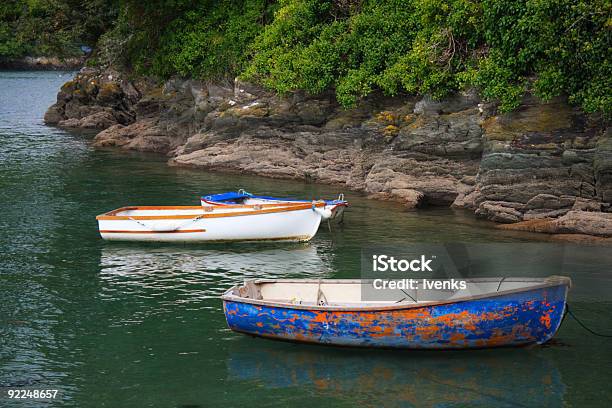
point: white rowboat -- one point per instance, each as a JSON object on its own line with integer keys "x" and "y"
{"x": 271, "y": 222}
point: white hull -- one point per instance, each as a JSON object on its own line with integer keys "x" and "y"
{"x": 219, "y": 224}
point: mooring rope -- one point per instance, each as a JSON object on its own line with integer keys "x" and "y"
{"x": 568, "y": 311}
{"x": 500, "y": 283}
{"x": 173, "y": 229}
{"x": 406, "y": 293}
{"x": 141, "y": 223}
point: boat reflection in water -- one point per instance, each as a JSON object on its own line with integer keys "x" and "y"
{"x": 487, "y": 378}
{"x": 206, "y": 273}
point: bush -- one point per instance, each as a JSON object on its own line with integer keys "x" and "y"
{"x": 550, "y": 47}
{"x": 52, "y": 27}
{"x": 206, "y": 39}
{"x": 504, "y": 47}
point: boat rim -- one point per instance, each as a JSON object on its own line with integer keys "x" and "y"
{"x": 255, "y": 209}
{"x": 550, "y": 281}
{"x": 280, "y": 202}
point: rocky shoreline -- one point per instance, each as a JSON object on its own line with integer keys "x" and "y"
{"x": 546, "y": 167}
{"x": 43, "y": 63}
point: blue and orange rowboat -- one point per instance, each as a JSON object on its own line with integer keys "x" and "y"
{"x": 489, "y": 312}
{"x": 335, "y": 207}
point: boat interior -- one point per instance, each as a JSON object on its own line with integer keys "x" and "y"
{"x": 247, "y": 200}
{"x": 195, "y": 211}
{"x": 253, "y": 201}
{"x": 362, "y": 293}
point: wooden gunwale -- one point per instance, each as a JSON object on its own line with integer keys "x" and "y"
{"x": 265, "y": 209}
{"x": 280, "y": 202}
{"x": 551, "y": 281}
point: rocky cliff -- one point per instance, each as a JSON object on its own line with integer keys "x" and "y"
{"x": 546, "y": 167}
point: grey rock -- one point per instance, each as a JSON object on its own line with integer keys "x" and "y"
{"x": 539, "y": 163}
{"x": 500, "y": 211}
{"x": 602, "y": 166}
{"x": 549, "y": 201}
{"x": 94, "y": 100}
{"x": 585, "y": 222}
{"x": 542, "y": 213}
{"x": 583, "y": 204}
{"x": 53, "y": 115}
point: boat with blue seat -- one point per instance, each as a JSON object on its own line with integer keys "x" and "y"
{"x": 297, "y": 222}
{"x": 241, "y": 197}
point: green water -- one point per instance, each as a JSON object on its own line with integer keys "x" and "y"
{"x": 118, "y": 325}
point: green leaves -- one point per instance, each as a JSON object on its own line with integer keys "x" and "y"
{"x": 206, "y": 40}
{"x": 505, "y": 48}
{"x": 417, "y": 47}
{"x": 316, "y": 45}
{"x": 548, "y": 47}
{"x": 52, "y": 27}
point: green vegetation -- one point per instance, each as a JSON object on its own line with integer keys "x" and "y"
{"x": 505, "y": 48}
{"x": 52, "y": 27}
{"x": 208, "y": 40}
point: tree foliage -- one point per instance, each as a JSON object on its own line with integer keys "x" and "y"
{"x": 504, "y": 48}
{"x": 204, "y": 39}
{"x": 52, "y": 27}
{"x": 436, "y": 47}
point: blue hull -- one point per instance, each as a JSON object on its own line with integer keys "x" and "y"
{"x": 515, "y": 319}
{"x": 236, "y": 198}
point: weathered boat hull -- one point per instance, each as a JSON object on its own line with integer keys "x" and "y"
{"x": 290, "y": 223}
{"x": 514, "y": 319}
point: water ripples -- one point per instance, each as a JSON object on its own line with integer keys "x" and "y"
{"x": 184, "y": 277}
{"x": 106, "y": 322}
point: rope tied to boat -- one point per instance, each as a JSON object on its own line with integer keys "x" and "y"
{"x": 169, "y": 229}
{"x": 500, "y": 283}
{"x": 141, "y": 223}
{"x": 593, "y": 332}
{"x": 407, "y": 294}
{"x": 341, "y": 218}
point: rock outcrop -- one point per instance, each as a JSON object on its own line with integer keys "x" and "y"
{"x": 574, "y": 222}
{"x": 545, "y": 164}
{"x": 94, "y": 100}
{"x": 538, "y": 163}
